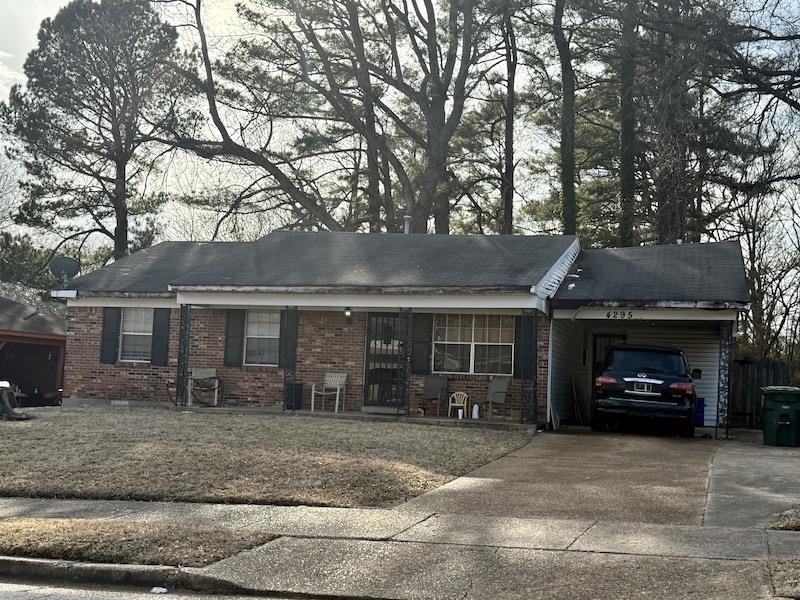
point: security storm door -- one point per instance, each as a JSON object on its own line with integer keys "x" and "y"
{"x": 382, "y": 367}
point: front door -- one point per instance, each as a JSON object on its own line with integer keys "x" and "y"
{"x": 382, "y": 367}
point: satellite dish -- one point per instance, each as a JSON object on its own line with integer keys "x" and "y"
{"x": 64, "y": 267}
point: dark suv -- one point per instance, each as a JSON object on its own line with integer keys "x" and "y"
{"x": 643, "y": 381}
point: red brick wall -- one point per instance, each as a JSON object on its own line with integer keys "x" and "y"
{"x": 327, "y": 342}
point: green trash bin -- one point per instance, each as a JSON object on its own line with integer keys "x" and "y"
{"x": 780, "y": 415}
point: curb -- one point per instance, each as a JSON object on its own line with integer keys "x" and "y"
{"x": 116, "y": 574}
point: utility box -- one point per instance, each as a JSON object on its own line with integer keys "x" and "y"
{"x": 780, "y": 415}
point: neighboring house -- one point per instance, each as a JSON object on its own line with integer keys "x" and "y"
{"x": 32, "y": 346}
{"x": 389, "y": 309}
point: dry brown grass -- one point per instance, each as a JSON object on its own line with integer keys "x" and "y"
{"x": 165, "y": 455}
{"x": 788, "y": 522}
{"x": 109, "y": 541}
{"x": 785, "y": 575}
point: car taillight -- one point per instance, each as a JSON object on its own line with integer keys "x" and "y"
{"x": 682, "y": 386}
{"x": 605, "y": 380}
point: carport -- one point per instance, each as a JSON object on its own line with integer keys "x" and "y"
{"x": 684, "y": 295}
{"x": 32, "y": 343}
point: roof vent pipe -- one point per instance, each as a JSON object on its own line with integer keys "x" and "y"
{"x": 407, "y": 224}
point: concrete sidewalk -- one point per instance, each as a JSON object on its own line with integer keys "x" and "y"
{"x": 378, "y": 553}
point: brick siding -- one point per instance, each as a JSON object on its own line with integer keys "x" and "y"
{"x": 327, "y": 342}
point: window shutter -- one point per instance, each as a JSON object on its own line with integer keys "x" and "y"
{"x": 159, "y": 350}
{"x": 525, "y": 347}
{"x": 234, "y": 337}
{"x": 287, "y": 345}
{"x": 109, "y": 338}
{"x": 422, "y": 343}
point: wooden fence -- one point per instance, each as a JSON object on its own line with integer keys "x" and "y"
{"x": 747, "y": 378}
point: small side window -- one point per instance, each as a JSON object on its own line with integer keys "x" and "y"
{"x": 136, "y": 334}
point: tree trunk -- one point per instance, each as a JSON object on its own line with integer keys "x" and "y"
{"x": 120, "y": 211}
{"x": 627, "y": 121}
{"x": 507, "y": 185}
{"x": 365, "y": 83}
{"x": 568, "y": 202}
{"x": 433, "y": 193}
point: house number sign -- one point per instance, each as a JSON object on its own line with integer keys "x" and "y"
{"x": 620, "y": 314}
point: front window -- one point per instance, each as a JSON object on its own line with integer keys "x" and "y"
{"x": 262, "y": 333}
{"x": 136, "y": 337}
{"x": 481, "y": 344}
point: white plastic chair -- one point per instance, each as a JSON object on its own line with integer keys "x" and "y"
{"x": 206, "y": 381}
{"x": 458, "y": 400}
{"x": 332, "y": 384}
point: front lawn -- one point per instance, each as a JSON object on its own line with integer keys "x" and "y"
{"x": 110, "y": 541}
{"x": 264, "y": 459}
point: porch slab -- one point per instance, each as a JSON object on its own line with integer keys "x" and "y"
{"x": 551, "y": 534}
{"x": 676, "y": 541}
{"x": 351, "y": 568}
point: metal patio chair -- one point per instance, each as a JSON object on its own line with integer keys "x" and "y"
{"x": 203, "y": 380}
{"x": 435, "y": 387}
{"x": 498, "y": 389}
{"x": 333, "y": 384}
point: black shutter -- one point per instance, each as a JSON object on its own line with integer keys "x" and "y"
{"x": 422, "y": 343}
{"x": 109, "y": 339}
{"x": 287, "y": 356}
{"x": 159, "y": 350}
{"x": 234, "y": 337}
{"x": 525, "y": 347}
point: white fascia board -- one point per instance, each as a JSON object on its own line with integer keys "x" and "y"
{"x": 549, "y": 284}
{"x": 132, "y": 302}
{"x": 63, "y": 294}
{"x": 622, "y": 314}
{"x": 428, "y": 302}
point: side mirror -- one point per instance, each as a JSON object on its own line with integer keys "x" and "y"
{"x": 697, "y": 374}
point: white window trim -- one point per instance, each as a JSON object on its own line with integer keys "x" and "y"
{"x": 260, "y": 337}
{"x": 122, "y": 334}
{"x": 472, "y": 345}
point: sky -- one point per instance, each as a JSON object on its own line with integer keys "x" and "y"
{"x": 19, "y": 22}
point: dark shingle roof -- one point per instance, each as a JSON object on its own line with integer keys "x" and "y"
{"x": 151, "y": 270}
{"x": 21, "y": 318}
{"x": 712, "y": 273}
{"x": 341, "y": 260}
{"x": 357, "y": 260}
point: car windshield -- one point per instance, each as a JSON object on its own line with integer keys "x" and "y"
{"x": 646, "y": 361}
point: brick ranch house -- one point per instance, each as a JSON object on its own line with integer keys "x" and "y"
{"x": 390, "y": 309}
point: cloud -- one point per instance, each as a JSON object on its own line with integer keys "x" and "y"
{"x": 8, "y": 75}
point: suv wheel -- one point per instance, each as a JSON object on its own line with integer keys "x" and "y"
{"x": 686, "y": 431}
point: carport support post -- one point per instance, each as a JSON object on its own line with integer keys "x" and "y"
{"x": 183, "y": 355}
{"x": 723, "y": 390}
{"x": 406, "y": 322}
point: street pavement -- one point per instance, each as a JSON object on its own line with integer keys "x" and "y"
{"x": 22, "y": 590}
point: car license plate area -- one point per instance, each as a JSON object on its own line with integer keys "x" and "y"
{"x": 640, "y": 386}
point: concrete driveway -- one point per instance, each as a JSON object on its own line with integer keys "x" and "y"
{"x": 605, "y": 477}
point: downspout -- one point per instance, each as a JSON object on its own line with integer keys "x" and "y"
{"x": 182, "y": 378}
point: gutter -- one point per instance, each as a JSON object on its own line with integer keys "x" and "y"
{"x": 353, "y": 289}
{"x": 696, "y": 304}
